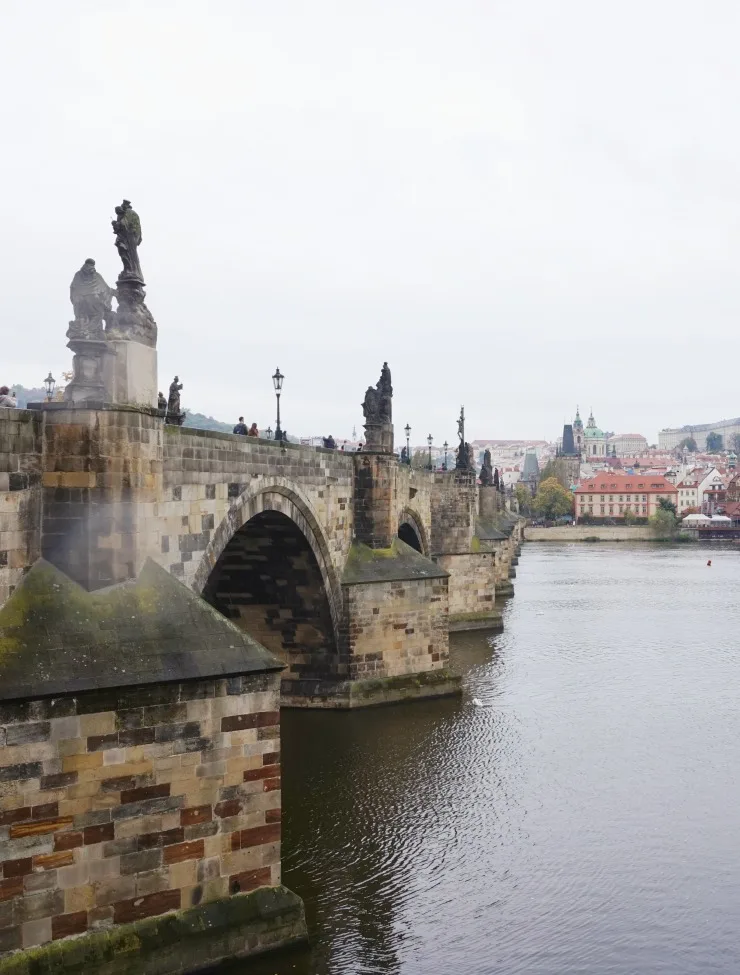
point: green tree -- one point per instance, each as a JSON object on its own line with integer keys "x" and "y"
{"x": 555, "y": 468}
{"x": 629, "y": 517}
{"x": 715, "y": 443}
{"x": 665, "y": 505}
{"x": 689, "y": 443}
{"x": 524, "y": 499}
{"x": 553, "y": 500}
{"x": 663, "y": 523}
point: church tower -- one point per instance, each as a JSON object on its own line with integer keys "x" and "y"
{"x": 578, "y": 432}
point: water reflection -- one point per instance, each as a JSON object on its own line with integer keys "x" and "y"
{"x": 582, "y": 820}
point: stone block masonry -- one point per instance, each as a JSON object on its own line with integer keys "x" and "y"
{"x": 20, "y": 495}
{"x": 122, "y": 805}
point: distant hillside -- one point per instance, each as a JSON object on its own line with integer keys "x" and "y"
{"x": 26, "y": 396}
{"x": 201, "y": 422}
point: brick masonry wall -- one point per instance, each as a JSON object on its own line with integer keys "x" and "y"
{"x": 414, "y": 501}
{"x": 20, "y": 495}
{"x": 214, "y": 482}
{"x": 397, "y": 628}
{"x": 472, "y": 582}
{"x": 124, "y": 804}
{"x": 268, "y": 583}
{"x": 453, "y": 512}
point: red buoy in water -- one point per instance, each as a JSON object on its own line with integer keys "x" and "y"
{"x": 709, "y": 562}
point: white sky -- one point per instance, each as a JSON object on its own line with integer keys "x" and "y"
{"x": 520, "y": 204}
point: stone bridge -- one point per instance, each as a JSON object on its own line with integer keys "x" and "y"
{"x": 352, "y": 568}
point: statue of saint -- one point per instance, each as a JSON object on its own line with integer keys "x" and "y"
{"x": 370, "y": 406}
{"x": 385, "y": 395}
{"x": 91, "y": 299}
{"x": 161, "y": 403}
{"x": 127, "y": 228}
{"x": 173, "y": 403}
{"x": 486, "y": 474}
{"x": 496, "y": 478}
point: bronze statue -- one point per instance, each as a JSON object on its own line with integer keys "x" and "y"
{"x": 173, "y": 403}
{"x": 127, "y": 228}
{"x": 92, "y": 301}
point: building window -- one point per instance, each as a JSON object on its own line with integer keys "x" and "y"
{"x": 621, "y": 497}
{"x": 602, "y": 509}
{"x": 611, "y": 509}
{"x": 644, "y": 497}
{"x": 644, "y": 509}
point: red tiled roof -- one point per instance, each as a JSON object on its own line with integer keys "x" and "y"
{"x": 608, "y": 481}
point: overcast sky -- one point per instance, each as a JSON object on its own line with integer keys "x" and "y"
{"x": 521, "y": 205}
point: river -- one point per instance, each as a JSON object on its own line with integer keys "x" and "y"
{"x": 584, "y": 819}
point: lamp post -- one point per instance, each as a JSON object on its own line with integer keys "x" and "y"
{"x": 407, "y": 431}
{"x": 429, "y": 441}
{"x": 50, "y": 382}
{"x": 269, "y": 433}
{"x": 446, "y": 448}
{"x": 277, "y": 382}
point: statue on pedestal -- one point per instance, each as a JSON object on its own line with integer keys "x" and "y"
{"x": 133, "y": 320}
{"x": 127, "y": 228}
{"x": 91, "y": 302}
{"x": 377, "y": 408}
{"x": 174, "y": 413}
{"x": 486, "y": 473}
{"x": 464, "y": 452}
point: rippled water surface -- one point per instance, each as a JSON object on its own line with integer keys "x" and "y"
{"x": 584, "y": 819}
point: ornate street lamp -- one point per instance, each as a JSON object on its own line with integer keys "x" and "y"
{"x": 429, "y": 441}
{"x": 446, "y": 448}
{"x": 407, "y": 431}
{"x": 277, "y": 382}
{"x": 50, "y": 382}
{"x": 269, "y": 433}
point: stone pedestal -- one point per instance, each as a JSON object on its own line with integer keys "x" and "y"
{"x": 88, "y": 365}
{"x": 376, "y": 518}
{"x": 379, "y": 437}
{"x": 103, "y": 474}
{"x": 130, "y": 373}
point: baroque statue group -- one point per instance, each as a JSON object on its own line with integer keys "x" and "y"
{"x": 96, "y": 324}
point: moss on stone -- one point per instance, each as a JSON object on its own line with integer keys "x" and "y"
{"x": 171, "y": 936}
{"x": 398, "y": 563}
{"x": 55, "y": 637}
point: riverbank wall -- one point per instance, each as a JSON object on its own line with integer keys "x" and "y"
{"x": 587, "y": 533}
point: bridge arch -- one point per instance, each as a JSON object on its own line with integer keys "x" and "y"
{"x": 411, "y": 530}
{"x": 268, "y": 568}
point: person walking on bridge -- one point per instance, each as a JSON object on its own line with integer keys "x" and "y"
{"x": 253, "y": 431}
{"x": 6, "y": 399}
{"x": 241, "y": 427}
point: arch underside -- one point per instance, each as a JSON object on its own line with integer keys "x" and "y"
{"x": 411, "y": 531}
{"x": 268, "y": 570}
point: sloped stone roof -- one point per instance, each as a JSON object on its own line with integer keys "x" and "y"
{"x": 394, "y": 564}
{"x": 56, "y": 637}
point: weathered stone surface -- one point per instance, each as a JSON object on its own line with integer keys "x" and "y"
{"x": 55, "y": 637}
{"x": 141, "y": 836}
{"x": 185, "y": 940}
